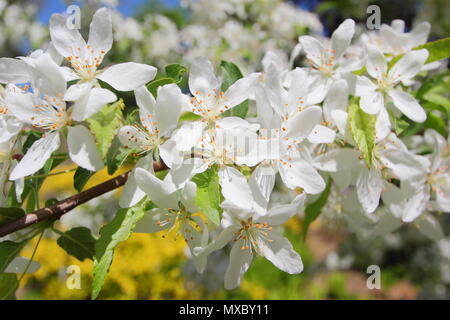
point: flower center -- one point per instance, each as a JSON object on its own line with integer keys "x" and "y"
{"x": 439, "y": 179}
{"x": 85, "y": 61}
{"x": 209, "y": 105}
{"x": 253, "y": 234}
{"x": 183, "y": 224}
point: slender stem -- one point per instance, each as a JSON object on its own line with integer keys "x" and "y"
{"x": 55, "y": 211}
{"x": 50, "y": 174}
{"x": 28, "y": 264}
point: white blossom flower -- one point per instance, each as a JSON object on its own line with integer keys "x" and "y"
{"x": 375, "y": 94}
{"x": 176, "y": 212}
{"x": 158, "y": 119}
{"x": 45, "y": 109}
{"x": 86, "y": 58}
{"x": 249, "y": 226}
{"x": 287, "y": 121}
{"x": 328, "y": 60}
{"x": 209, "y": 101}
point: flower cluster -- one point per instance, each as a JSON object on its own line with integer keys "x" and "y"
{"x": 333, "y": 123}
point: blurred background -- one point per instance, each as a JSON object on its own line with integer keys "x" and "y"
{"x": 241, "y": 31}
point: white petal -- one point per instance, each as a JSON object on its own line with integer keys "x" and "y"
{"x": 188, "y": 195}
{"x": 239, "y": 91}
{"x": 36, "y": 156}
{"x": 235, "y": 187}
{"x": 20, "y": 265}
{"x": 364, "y": 86}
{"x": 372, "y": 102}
{"x": 403, "y": 164}
{"x": 91, "y": 103}
{"x": 83, "y": 149}
{"x": 69, "y": 74}
{"x": 382, "y": 125}
{"x": 430, "y": 227}
{"x": 188, "y": 135}
{"x": 10, "y": 126}
{"x": 300, "y": 126}
{"x": 168, "y": 108}
{"x": 313, "y": 48}
{"x": 131, "y": 193}
{"x": 419, "y": 34}
{"x": 342, "y": 36}
{"x": 321, "y": 134}
{"x": 161, "y": 193}
{"x": 149, "y": 223}
{"x": 318, "y": 87}
{"x": 416, "y": 205}
{"x": 197, "y": 239}
{"x": 77, "y": 91}
{"x": 394, "y": 200}
{"x": 301, "y": 174}
{"x": 219, "y": 242}
{"x": 279, "y": 251}
{"x": 48, "y": 77}
{"x": 145, "y": 100}
{"x": 201, "y": 77}
{"x": 337, "y": 160}
{"x": 64, "y": 39}
{"x": 179, "y": 175}
{"x": 369, "y": 186}
{"x": 261, "y": 184}
{"x": 336, "y": 99}
{"x": 13, "y": 71}
{"x": 128, "y": 76}
{"x": 282, "y": 213}
{"x": 22, "y": 104}
{"x": 100, "y": 31}
{"x": 386, "y": 224}
{"x": 340, "y": 120}
{"x": 240, "y": 261}
{"x": 409, "y": 65}
{"x": 376, "y": 62}
{"x": 408, "y": 105}
{"x": 298, "y": 88}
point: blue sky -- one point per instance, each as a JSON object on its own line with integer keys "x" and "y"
{"x": 127, "y": 7}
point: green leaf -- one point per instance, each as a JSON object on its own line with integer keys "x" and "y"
{"x": 155, "y": 84}
{"x": 399, "y": 124}
{"x": 231, "y": 74}
{"x": 435, "y": 122}
{"x": 208, "y": 195}
{"x": 78, "y": 242}
{"x": 81, "y": 177}
{"x": 189, "y": 116}
{"x": 32, "y": 138}
{"x": 312, "y": 210}
{"x": 8, "y": 286}
{"x": 438, "y": 50}
{"x": 116, "y": 156}
{"x": 176, "y": 72}
{"x": 105, "y": 124}
{"x": 8, "y": 251}
{"x": 10, "y": 214}
{"x": 118, "y": 230}
{"x": 362, "y": 127}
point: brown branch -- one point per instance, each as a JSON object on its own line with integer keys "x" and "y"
{"x": 57, "y": 210}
